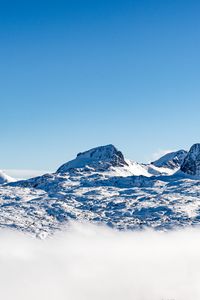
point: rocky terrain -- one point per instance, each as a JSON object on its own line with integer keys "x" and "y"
{"x": 101, "y": 186}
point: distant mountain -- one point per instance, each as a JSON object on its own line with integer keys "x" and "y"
{"x": 5, "y": 178}
{"x": 108, "y": 158}
{"x": 171, "y": 160}
{"x": 101, "y": 186}
{"x": 101, "y": 157}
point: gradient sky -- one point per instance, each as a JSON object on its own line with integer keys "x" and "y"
{"x": 82, "y": 73}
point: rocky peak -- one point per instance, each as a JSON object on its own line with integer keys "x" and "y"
{"x": 99, "y": 157}
{"x": 191, "y": 164}
{"x": 171, "y": 160}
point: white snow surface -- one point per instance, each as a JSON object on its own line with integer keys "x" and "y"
{"x": 4, "y": 178}
{"x": 102, "y": 187}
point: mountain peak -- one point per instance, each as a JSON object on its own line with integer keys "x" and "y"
{"x": 191, "y": 164}
{"x": 171, "y": 160}
{"x": 5, "y": 178}
{"x": 100, "y": 157}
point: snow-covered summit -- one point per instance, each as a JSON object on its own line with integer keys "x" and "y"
{"x": 171, "y": 160}
{"x": 191, "y": 164}
{"x": 109, "y": 158}
{"x": 101, "y": 157}
{"x": 5, "y": 178}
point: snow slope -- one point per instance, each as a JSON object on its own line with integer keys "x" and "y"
{"x": 171, "y": 160}
{"x": 5, "y": 178}
{"x": 101, "y": 186}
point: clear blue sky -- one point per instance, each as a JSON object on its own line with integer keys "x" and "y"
{"x": 81, "y": 73}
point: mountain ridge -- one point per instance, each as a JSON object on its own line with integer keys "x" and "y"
{"x": 101, "y": 188}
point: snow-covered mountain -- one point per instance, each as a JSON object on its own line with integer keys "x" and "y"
{"x": 171, "y": 160}
{"x": 99, "y": 158}
{"x": 167, "y": 164}
{"x": 4, "y": 178}
{"x": 101, "y": 186}
{"x": 108, "y": 158}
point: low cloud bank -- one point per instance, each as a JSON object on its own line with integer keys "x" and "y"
{"x": 90, "y": 263}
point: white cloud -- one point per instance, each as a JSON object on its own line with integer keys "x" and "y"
{"x": 89, "y": 262}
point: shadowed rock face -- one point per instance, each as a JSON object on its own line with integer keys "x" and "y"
{"x": 191, "y": 164}
{"x": 100, "y": 157}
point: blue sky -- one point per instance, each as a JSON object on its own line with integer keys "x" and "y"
{"x": 78, "y": 74}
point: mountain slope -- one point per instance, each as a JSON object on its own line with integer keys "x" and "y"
{"x": 98, "y": 186}
{"x": 5, "y": 178}
{"x": 171, "y": 160}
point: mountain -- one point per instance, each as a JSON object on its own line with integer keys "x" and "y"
{"x": 104, "y": 159}
{"x": 103, "y": 187}
{"x": 171, "y": 160}
{"x": 191, "y": 164}
{"x": 108, "y": 158}
{"x": 167, "y": 164}
{"x": 101, "y": 158}
{"x": 5, "y": 178}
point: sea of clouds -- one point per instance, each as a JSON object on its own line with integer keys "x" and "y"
{"x": 90, "y": 262}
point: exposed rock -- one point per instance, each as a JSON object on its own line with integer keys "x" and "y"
{"x": 191, "y": 164}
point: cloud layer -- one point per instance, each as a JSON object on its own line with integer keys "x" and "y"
{"x": 89, "y": 262}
